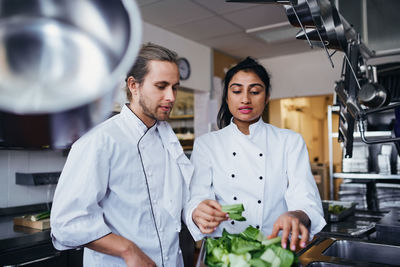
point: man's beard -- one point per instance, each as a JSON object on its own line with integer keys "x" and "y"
{"x": 149, "y": 113}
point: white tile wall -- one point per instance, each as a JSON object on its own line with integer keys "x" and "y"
{"x": 12, "y": 161}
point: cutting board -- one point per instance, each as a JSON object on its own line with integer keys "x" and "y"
{"x": 42, "y": 224}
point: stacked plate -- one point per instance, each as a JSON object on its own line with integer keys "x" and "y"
{"x": 354, "y": 192}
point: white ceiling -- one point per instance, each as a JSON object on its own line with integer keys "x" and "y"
{"x": 223, "y": 26}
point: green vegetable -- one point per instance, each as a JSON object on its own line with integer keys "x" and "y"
{"x": 252, "y": 233}
{"x": 271, "y": 241}
{"x": 240, "y": 245}
{"x": 234, "y": 211}
{"x": 239, "y": 260}
{"x": 39, "y": 216}
{"x": 259, "y": 263}
{"x": 336, "y": 209}
{"x": 285, "y": 256}
{"x": 249, "y": 248}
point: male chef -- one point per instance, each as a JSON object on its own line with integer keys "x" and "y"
{"x": 121, "y": 192}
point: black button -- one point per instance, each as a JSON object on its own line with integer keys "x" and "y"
{"x": 233, "y": 176}
{"x": 261, "y": 177}
{"x": 234, "y": 198}
{"x": 260, "y": 154}
{"x": 258, "y": 227}
{"x": 234, "y": 153}
{"x": 259, "y": 202}
{"x": 232, "y": 222}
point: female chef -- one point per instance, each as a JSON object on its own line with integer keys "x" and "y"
{"x": 254, "y": 163}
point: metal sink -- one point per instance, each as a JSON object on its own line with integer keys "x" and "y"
{"x": 335, "y": 252}
{"x": 364, "y": 251}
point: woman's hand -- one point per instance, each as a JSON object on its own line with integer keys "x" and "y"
{"x": 294, "y": 222}
{"x": 208, "y": 215}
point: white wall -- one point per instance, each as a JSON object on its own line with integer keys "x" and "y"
{"x": 199, "y": 56}
{"x": 12, "y": 161}
{"x": 303, "y": 74}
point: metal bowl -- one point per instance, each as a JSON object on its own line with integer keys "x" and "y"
{"x": 60, "y": 63}
{"x": 59, "y": 54}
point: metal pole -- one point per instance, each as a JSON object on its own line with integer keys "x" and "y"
{"x": 330, "y": 151}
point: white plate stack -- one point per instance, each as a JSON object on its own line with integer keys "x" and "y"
{"x": 359, "y": 161}
{"x": 384, "y": 160}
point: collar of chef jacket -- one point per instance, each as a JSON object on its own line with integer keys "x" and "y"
{"x": 178, "y": 168}
{"x": 253, "y": 128}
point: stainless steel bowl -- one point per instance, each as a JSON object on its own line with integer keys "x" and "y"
{"x": 62, "y": 56}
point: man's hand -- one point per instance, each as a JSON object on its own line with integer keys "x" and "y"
{"x": 134, "y": 257}
{"x": 119, "y": 246}
{"x": 208, "y": 215}
{"x": 294, "y": 222}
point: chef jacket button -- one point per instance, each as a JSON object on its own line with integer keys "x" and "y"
{"x": 259, "y": 202}
{"x": 161, "y": 230}
{"x": 260, "y": 154}
{"x": 232, "y": 222}
{"x": 257, "y": 226}
{"x": 261, "y": 177}
{"x": 234, "y": 198}
{"x": 180, "y": 252}
{"x": 233, "y": 176}
{"x": 234, "y": 153}
{"x": 166, "y": 258}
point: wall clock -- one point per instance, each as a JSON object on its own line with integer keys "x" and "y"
{"x": 184, "y": 68}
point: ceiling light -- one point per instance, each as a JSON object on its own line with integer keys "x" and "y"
{"x": 274, "y": 33}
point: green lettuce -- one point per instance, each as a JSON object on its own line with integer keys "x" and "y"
{"x": 234, "y": 211}
{"x": 249, "y": 248}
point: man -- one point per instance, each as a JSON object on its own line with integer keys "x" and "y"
{"x": 121, "y": 192}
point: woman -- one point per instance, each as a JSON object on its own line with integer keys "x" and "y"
{"x": 254, "y": 163}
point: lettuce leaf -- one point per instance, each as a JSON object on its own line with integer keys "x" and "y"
{"x": 234, "y": 211}
{"x": 241, "y": 246}
{"x": 252, "y": 233}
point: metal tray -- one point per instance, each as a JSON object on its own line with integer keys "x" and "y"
{"x": 202, "y": 255}
{"x": 350, "y": 209}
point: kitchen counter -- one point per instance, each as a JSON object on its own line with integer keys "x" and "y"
{"x": 354, "y": 241}
{"x": 361, "y": 224}
{"x": 12, "y": 237}
{"x": 27, "y": 246}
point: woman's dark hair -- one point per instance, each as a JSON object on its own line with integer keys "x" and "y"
{"x": 247, "y": 65}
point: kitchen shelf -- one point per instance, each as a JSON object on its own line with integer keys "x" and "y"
{"x": 366, "y": 176}
{"x": 181, "y": 117}
{"x": 357, "y": 138}
{"x": 357, "y": 135}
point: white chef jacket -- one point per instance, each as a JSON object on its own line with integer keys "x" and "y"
{"x": 268, "y": 171}
{"x": 123, "y": 178}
